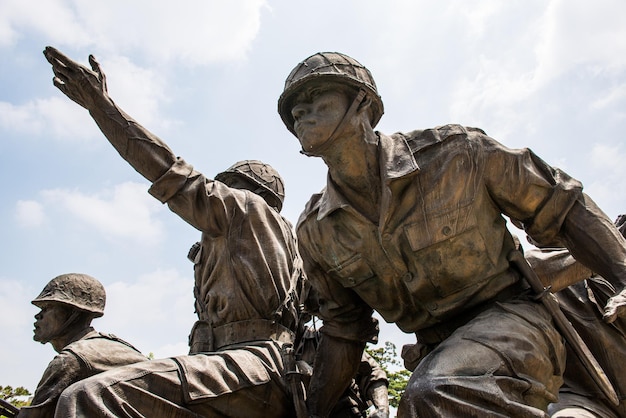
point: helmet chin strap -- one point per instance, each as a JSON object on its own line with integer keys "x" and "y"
{"x": 315, "y": 151}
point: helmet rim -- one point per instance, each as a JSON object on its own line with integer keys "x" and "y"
{"x": 294, "y": 84}
{"x": 278, "y": 196}
{"x": 79, "y": 291}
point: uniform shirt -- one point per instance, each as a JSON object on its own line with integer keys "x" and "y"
{"x": 441, "y": 243}
{"x": 248, "y": 266}
{"x": 92, "y": 354}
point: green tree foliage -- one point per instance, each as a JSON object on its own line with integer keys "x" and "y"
{"x": 398, "y": 376}
{"x": 15, "y": 396}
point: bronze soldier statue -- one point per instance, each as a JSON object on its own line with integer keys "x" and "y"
{"x": 68, "y": 304}
{"x": 247, "y": 278}
{"x": 583, "y": 304}
{"x": 412, "y": 225}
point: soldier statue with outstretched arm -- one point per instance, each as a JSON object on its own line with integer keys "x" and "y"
{"x": 247, "y": 278}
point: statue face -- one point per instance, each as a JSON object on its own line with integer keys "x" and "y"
{"x": 316, "y": 113}
{"x": 50, "y": 322}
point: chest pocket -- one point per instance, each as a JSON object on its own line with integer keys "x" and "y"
{"x": 449, "y": 249}
{"x": 440, "y": 227}
{"x": 352, "y": 272}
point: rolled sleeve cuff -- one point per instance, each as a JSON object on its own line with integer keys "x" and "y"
{"x": 362, "y": 331}
{"x": 547, "y": 222}
{"x": 172, "y": 181}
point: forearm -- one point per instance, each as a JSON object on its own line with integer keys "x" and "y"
{"x": 379, "y": 395}
{"x": 336, "y": 363}
{"x": 557, "y": 268}
{"x": 144, "y": 151}
{"x": 595, "y": 242}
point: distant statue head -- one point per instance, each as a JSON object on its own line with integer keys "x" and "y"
{"x": 329, "y": 67}
{"x": 67, "y": 302}
{"x": 261, "y": 177}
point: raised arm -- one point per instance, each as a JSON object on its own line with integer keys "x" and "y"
{"x": 146, "y": 152}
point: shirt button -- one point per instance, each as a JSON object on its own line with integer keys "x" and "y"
{"x": 408, "y": 276}
{"x": 446, "y": 230}
{"x": 387, "y": 237}
{"x": 351, "y": 280}
{"x": 432, "y": 307}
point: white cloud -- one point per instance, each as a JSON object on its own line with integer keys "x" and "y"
{"x": 154, "y": 312}
{"x": 55, "y": 118}
{"x": 612, "y": 98}
{"x": 609, "y": 190}
{"x": 126, "y": 211}
{"x": 139, "y": 91}
{"x": 609, "y": 158}
{"x": 29, "y": 213}
{"x": 25, "y": 359}
{"x": 14, "y": 314}
{"x": 579, "y": 32}
{"x": 54, "y": 20}
{"x": 193, "y": 32}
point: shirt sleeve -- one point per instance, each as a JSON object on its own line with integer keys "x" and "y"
{"x": 206, "y": 204}
{"x": 536, "y": 196}
{"x": 551, "y": 207}
{"x": 62, "y": 371}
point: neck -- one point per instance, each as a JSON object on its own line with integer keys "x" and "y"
{"x": 354, "y": 167}
{"x": 74, "y": 333}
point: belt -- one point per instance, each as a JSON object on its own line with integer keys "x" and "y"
{"x": 439, "y": 332}
{"x": 205, "y": 338}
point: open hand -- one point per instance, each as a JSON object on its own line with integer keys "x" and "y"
{"x": 615, "y": 306}
{"x": 86, "y": 87}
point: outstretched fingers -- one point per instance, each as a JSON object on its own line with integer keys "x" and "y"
{"x": 57, "y": 59}
{"x": 85, "y": 86}
{"x": 95, "y": 66}
{"x": 61, "y": 65}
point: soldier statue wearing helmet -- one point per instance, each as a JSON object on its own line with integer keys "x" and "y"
{"x": 412, "y": 225}
{"x": 269, "y": 183}
{"x": 247, "y": 279}
{"x": 68, "y": 304}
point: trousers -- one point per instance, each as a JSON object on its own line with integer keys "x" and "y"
{"x": 241, "y": 381}
{"x": 506, "y": 362}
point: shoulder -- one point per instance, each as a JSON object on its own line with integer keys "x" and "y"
{"x": 97, "y": 342}
{"x": 310, "y": 209}
{"x": 422, "y": 138}
{"x": 441, "y": 132}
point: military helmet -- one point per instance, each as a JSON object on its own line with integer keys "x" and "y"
{"x": 80, "y": 291}
{"x": 262, "y": 175}
{"x": 329, "y": 66}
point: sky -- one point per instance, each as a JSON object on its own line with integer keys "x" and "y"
{"x": 205, "y": 76}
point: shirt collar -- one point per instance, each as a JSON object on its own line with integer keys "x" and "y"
{"x": 396, "y": 161}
